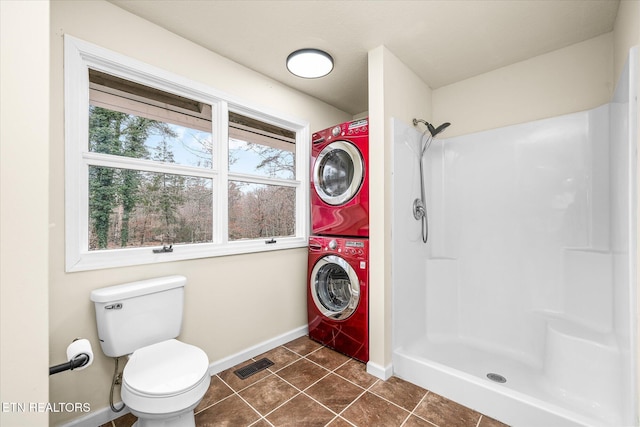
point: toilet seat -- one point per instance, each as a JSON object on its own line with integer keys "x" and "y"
{"x": 165, "y": 369}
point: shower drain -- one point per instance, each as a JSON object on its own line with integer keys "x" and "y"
{"x": 496, "y": 377}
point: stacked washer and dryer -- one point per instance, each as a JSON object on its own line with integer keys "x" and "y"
{"x": 338, "y": 285}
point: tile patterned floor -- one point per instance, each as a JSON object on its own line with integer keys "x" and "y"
{"x": 311, "y": 385}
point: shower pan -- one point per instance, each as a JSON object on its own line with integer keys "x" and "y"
{"x": 522, "y": 305}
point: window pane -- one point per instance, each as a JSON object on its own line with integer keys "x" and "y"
{"x": 257, "y": 210}
{"x": 129, "y": 135}
{"x": 261, "y": 160}
{"x": 260, "y": 149}
{"x": 129, "y": 208}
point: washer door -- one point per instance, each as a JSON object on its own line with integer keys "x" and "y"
{"x": 338, "y": 172}
{"x": 335, "y": 287}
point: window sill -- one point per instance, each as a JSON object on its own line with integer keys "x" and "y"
{"x": 97, "y": 260}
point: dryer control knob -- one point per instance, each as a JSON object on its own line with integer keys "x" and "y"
{"x": 333, "y": 245}
{"x": 336, "y": 131}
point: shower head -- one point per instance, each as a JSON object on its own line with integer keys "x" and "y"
{"x": 439, "y": 129}
{"x": 433, "y": 131}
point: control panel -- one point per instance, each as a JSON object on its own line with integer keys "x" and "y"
{"x": 345, "y": 246}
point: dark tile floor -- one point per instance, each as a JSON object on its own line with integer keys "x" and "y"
{"x": 312, "y": 385}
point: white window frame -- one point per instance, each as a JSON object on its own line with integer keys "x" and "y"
{"x": 79, "y": 57}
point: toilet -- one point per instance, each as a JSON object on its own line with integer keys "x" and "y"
{"x": 164, "y": 379}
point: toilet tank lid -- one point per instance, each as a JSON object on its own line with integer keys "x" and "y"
{"x": 134, "y": 289}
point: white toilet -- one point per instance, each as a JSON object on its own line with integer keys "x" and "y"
{"x": 164, "y": 379}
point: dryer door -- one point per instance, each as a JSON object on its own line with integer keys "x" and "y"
{"x": 335, "y": 287}
{"x": 338, "y": 172}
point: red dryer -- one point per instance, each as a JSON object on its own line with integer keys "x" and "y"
{"x": 338, "y": 294}
{"x": 339, "y": 180}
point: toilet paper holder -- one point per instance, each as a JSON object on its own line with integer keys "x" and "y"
{"x": 80, "y": 356}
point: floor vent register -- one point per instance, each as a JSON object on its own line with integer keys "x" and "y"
{"x": 253, "y": 368}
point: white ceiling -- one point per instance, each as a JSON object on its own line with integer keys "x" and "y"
{"x": 442, "y": 41}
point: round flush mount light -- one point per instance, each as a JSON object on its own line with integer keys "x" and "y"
{"x": 310, "y": 63}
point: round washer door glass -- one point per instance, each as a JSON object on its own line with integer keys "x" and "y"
{"x": 335, "y": 287}
{"x": 338, "y": 172}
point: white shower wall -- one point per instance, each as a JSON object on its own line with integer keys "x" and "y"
{"x": 528, "y": 265}
{"x": 518, "y": 205}
{"x": 511, "y": 211}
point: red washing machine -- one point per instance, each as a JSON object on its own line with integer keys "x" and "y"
{"x": 339, "y": 180}
{"x": 338, "y": 294}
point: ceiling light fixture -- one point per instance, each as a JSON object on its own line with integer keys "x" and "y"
{"x": 310, "y": 63}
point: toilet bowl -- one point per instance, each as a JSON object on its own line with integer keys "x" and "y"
{"x": 164, "y": 379}
{"x": 163, "y": 383}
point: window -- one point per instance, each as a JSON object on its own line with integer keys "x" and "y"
{"x": 262, "y": 172}
{"x": 159, "y": 168}
{"x": 153, "y": 203}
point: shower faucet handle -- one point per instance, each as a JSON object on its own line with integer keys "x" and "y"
{"x": 418, "y": 209}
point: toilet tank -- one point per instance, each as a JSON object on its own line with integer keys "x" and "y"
{"x": 138, "y": 314}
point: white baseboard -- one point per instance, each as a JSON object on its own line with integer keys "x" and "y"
{"x": 102, "y": 416}
{"x": 234, "y": 359}
{"x": 382, "y": 372}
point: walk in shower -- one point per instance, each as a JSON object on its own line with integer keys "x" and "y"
{"x": 522, "y": 304}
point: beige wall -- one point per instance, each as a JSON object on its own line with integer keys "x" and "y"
{"x": 229, "y": 300}
{"x": 567, "y": 80}
{"x": 24, "y": 164}
{"x": 394, "y": 92}
{"x": 626, "y": 33}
